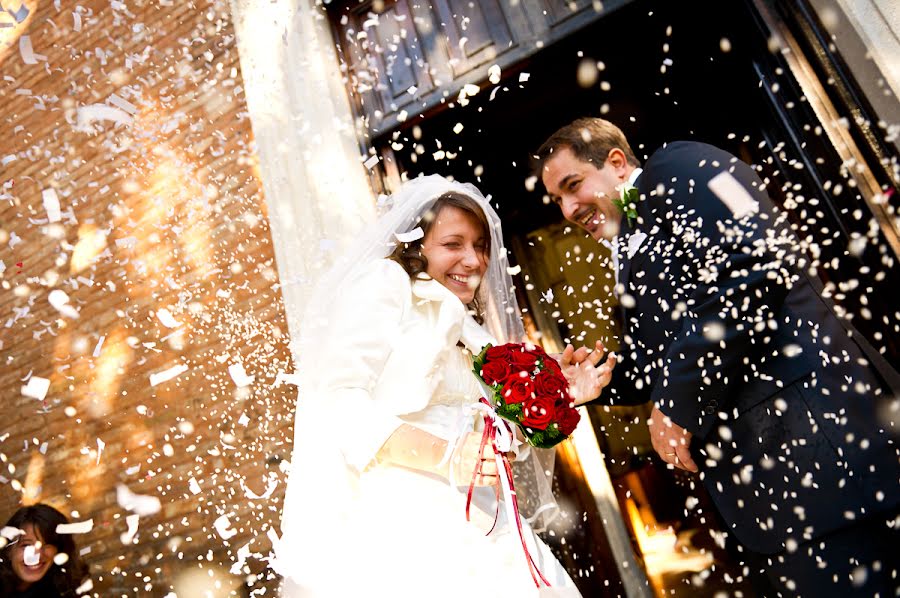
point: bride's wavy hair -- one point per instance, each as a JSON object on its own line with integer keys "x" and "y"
{"x": 409, "y": 255}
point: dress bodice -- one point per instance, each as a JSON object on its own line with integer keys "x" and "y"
{"x": 446, "y": 413}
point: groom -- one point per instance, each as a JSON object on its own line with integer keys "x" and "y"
{"x": 756, "y": 383}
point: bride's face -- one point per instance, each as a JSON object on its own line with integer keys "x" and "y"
{"x": 456, "y": 251}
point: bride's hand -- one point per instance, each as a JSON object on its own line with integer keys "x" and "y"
{"x": 466, "y": 458}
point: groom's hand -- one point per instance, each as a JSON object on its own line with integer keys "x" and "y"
{"x": 671, "y": 441}
{"x": 586, "y": 380}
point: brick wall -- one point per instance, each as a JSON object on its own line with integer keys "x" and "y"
{"x": 159, "y": 256}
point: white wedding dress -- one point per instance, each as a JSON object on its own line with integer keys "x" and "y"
{"x": 406, "y": 532}
{"x": 378, "y": 351}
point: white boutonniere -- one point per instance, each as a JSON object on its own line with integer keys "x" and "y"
{"x": 627, "y": 202}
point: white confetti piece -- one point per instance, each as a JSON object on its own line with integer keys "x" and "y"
{"x": 123, "y": 104}
{"x": 240, "y": 377}
{"x": 523, "y": 77}
{"x": 270, "y": 488}
{"x": 51, "y": 205}
{"x": 88, "y": 115}
{"x": 60, "y": 301}
{"x": 735, "y": 197}
{"x": 100, "y": 446}
{"x": 244, "y": 420}
{"x": 11, "y": 533}
{"x": 457, "y": 128}
{"x": 99, "y": 347}
{"x": 222, "y": 526}
{"x": 513, "y": 270}
{"x": 127, "y": 242}
{"x": 8, "y": 159}
{"x": 371, "y": 162}
{"x": 273, "y": 536}
{"x": 76, "y": 24}
{"x": 166, "y": 375}
{"x": 242, "y": 554}
{"x": 470, "y": 89}
{"x": 84, "y": 588}
{"x": 494, "y": 74}
{"x": 31, "y": 557}
{"x": 413, "y": 235}
{"x": 128, "y": 536}
{"x": 21, "y": 14}
{"x": 140, "y": 504}
{"x": 27, "y": 51}
{"x": 194, "y": 486}
{"x": 78, "y": 527}
{"x": 36, "y": 388}
{"x": 165, "y": 316}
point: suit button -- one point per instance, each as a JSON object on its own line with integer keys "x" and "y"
{"x": 709, "y": 409}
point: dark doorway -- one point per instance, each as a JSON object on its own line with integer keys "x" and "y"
{"x": 663, "y": 71}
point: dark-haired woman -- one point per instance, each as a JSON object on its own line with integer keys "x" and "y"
{"x": 37, "y": 561}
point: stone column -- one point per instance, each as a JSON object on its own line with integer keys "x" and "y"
{"x": 314, "y": 180}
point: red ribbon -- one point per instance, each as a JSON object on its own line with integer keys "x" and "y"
{"x": 490, "y": 435}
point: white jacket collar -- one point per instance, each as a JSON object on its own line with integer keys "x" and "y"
{"x": 454, "y": 316}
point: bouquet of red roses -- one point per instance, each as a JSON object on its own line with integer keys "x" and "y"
{"x": 528, "y": 388}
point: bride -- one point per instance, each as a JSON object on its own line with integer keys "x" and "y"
{"x": 385, "y": 442}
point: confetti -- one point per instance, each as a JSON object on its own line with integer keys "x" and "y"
{"x": 411, "y": 236}
{"x": 166, "y": 318}
{"x": 51, "y": 205}
{"x": 127, "y": 537}
{"x": 93, "y": 113}
{"x": 78, "y": 527}
{"x": 140, "y": 504}
{"x": 239, "y": 376}
{"x": 36, "y": 388}
{"x": 166, "y": 375}
{"x": 733, "y": 194}
{"x": 60, "y": 301}
{"x": 31, "y": 556}
{"x": 27, "y": 52}
{"x": 222, "y": 525}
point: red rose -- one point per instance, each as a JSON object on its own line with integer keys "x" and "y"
{"x": 539, "y": 412}
{"x": 501, "y": 352}
{"x": 549, "y": 384}
{"x": 523, "y": 360}
{"x": 567, "y": 419}
{"x": 517, "y": 389}
{"x": 552, "y": 365}
{"x": 493, "y": 372}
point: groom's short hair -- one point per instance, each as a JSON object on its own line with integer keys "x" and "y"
{"x": 590, "y": 139}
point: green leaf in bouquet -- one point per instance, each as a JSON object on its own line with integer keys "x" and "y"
{"x": 479, "y": 360}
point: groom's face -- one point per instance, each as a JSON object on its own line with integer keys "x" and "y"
{"x": 584, "y": 193}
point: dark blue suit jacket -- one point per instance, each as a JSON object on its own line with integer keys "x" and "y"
{"x": 728, "y": 334}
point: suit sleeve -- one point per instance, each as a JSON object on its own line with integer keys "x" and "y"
{"x": 353, "y": 357}
{"x": 742, "y": 271}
